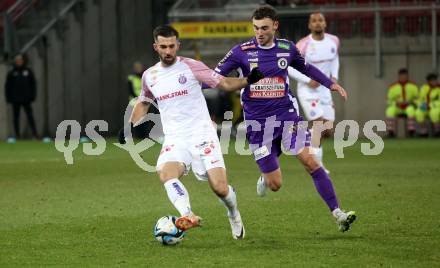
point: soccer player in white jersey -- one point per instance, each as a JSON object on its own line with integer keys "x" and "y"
{"x": 321, "y": 50}
{"x": 190, "y": 138}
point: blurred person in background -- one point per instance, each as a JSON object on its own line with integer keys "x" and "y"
{"x": 134, "y": 87}
{"x": 428, "y": 105}
{"x": 320, "y": 49}
{"x": 401, "y": 98}
{"x": 21, "y": 91}
{"x": 134, "y": 82}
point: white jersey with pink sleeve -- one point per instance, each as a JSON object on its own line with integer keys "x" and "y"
{"x": 177, "y": 90}
{"x": 323, "y": 54}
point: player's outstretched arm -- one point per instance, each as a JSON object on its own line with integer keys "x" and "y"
{"x": 139, "y": 110}
{"x": 231, "y": 83}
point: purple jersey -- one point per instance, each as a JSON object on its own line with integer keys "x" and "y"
{"x": 271, "y": 95}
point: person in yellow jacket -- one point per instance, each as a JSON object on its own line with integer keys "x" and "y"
{"x": 428, "y": 105}
{"x": 402, "y": 97}
{"x": 135, "y": 81}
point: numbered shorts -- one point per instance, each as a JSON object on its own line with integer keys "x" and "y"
{"x": 199, "y": 154}
{"x": 266, "y": 147}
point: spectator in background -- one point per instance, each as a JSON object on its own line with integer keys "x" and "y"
{"x": 134, "y": 86}
{"x": 21, "y": 91}
{"x": 428, "y": 104}
{"x": 402, "y": 97}
{"x": 134, "y": 81}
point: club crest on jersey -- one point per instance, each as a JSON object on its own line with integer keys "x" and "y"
{"x": 253, "y": 65}
{"x": 282, "y": 63}
{"x": 182, "y": 79}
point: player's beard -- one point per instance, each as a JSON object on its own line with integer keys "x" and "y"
{"x": 318, "y": 32}
{"x": 168, "y": 60}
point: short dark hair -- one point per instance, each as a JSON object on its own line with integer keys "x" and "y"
{"x": 165, "y": 31}
{"x": 403, "y": 71}
{"x": 265, "y": 11}
{"x": 431, "y": 76}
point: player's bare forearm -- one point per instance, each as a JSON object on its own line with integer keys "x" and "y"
{"x": 232, "y": 84}
{"x": 139, "y": 110}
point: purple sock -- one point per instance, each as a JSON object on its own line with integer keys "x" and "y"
{"x": 324, "y": 186}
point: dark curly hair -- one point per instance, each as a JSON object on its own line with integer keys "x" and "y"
{"x": 265, "y": 11}
{"x": 165, "y": 31}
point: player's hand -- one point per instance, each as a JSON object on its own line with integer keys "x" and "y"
{"x": 254, "y": 76}
{"x": 121, "y": 134}
{"x": 339, "y": 89}
{"x": 314, "y": 84}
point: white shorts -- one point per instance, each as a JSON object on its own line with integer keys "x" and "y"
{"x": 201, "y": 154}
{"x": 314, "y": 106}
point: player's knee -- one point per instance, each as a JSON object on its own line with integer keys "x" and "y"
{"x": 311, "y": 164}
{"x": 165, "y": 176}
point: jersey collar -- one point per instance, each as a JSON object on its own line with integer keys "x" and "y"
{"x": 264, "y": 47}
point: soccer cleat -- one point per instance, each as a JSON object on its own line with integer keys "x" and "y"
{"x": 237, "y": 226}
{"x": 261, "y": 187}
{"x": 344, "y": 219}
{"x": 187, "y": 222}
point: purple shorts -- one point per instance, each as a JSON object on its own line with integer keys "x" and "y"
{"x": 267, "y": 138}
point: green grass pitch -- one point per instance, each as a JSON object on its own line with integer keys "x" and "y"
{"x": 101, "y": 210}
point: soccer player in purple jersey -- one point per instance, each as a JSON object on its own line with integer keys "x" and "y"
{"x": 271, "y": 111}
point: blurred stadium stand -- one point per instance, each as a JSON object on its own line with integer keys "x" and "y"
{"x": 81, "y": 50}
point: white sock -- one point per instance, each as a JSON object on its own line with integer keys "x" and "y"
{"x": 178, "y": 195}
{"x": 318, "y": 154}
{"x": 230, "y": 202}
{"x": 336, "y": 212}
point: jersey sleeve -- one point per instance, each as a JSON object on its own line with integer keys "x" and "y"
{"x": 230, "y": 62}
{"x": 202, "y": 73}
{"x": 334, "y": 68}
{"x": 309, "y": 70}
{"x": 146, "y": 94}
{"x": 294, "y": 74}
{"x": 302, "y": 45}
